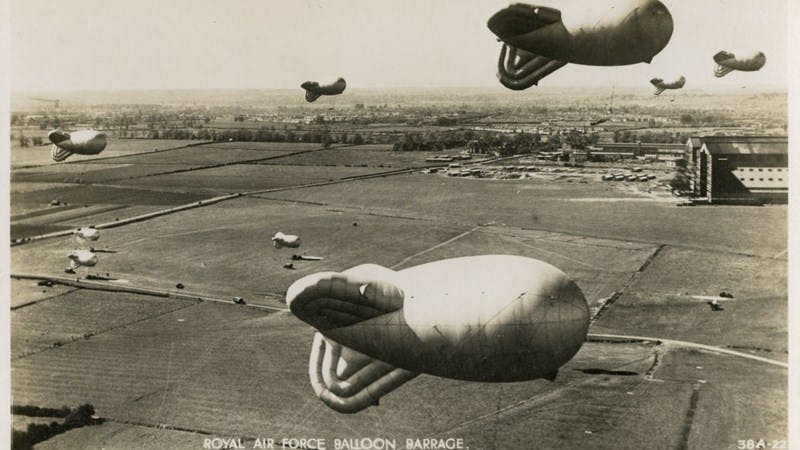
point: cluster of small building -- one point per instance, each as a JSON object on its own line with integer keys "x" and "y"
{"x": 449, "y": 158}
{"x": 635, "y": 175}
{"x": 624, "y": 151}
{"x": 499, "y": 172}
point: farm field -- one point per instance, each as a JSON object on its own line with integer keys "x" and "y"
{"x": 118, "y": 184}
{"x": 660, "y": 302}
{"x": 605, "y": 390}
{"x": 72, "y": 315}
{"x": 201, "y": 242}
{"x": 31, "y": 213}
{"x": 27, "y": 156}
{"x": 95, "y": 173}
{"x": 364, "y": 155}
{"x": 286, "y": 147}
{"x": 171, "y": 372}
{"x": 245, "y": 177}
{"x": 26, "y": 292}
{"x": 220, "y": 153}
{"x": 553, "y": 206}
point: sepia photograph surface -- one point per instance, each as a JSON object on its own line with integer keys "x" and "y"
{"x": 379, "y": 225}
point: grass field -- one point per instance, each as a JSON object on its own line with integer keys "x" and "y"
{"x": 90, "y": 199}
{"x": 94, "y": 173}
{"x": 168, "y": 378}
{"x": 659, "y": 302}
{"x": 116, "y": 435}
{"x": 725, "y": 412}
{"x": 76, "y": 315}
{"x": 362, "y": 155}
{"x": 234, "y": 371}
{"x": 40, "y": 155}
{"x": 26, "y": 292}
{"x": 287, "y": 147}
{"x": 551, "y": 205}
{"x": 238, "y": 178}
{"x": 215, "y": 369}
{"x": 150, "y": 181}
{"x": 226, "y": 249}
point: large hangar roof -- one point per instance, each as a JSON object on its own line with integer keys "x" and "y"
{"x": 761, "y": 145}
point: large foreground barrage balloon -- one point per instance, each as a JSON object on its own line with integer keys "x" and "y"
{"x": 491, "y": 318}
{"x": 83, "y": 142}
{"x": 538, "y": 40}
{"x": 661, "y": 86}
{"x": 314, "y": 90}
{"x": 728, "y": 62}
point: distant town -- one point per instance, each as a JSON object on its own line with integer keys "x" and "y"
{"x": 564, "y": 126}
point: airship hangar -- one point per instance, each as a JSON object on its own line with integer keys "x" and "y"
{"x": 180, "y": 332}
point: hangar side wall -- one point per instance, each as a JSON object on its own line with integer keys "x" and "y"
{"x": 748, "y": 177}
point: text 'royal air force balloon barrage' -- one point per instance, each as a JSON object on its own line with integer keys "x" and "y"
{"x": 315, "y": 90}
{"x": 492, "y": 318}
{"x": 538, "y": 40}
{"x": 83, "y": 142}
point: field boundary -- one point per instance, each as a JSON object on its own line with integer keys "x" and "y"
{"x": 439, "y": 245}
{"x": 92, "y": 334}
{"x": 103, "y": 158}
{"x": 536, "y": 400}
{"x": 213, "y": 200}
{"x": 209, "y": 166}
{"x": 129, "y": 220}
{"x": 618, "y": 294}
{"x": 109, "y": 287}
{"x": 34, "y": 302}
{"x": 521, "y": 406}
{"x": 620, "y": 338}
{"x": 591, "y": 337}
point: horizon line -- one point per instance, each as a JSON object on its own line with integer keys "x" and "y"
{"x": 400, "y": 87}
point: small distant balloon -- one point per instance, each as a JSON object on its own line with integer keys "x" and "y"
{"x": 661, "y": 86}
{"x": 80, "y": 258}
{"x": 315, "y": 90}
{"x": 285, "y": 240}
{"x": 87, "y": 234}
{"x": 728, "y": 62}
{"x": 83, "y": 142}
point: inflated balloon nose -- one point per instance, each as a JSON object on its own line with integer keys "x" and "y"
{"x": 655, "y": 19}
{"x": 328, "y": 300}
{"x": 521, "y": 19}
{"x": 57, "y": 136}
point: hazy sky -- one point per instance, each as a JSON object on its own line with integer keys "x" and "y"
{"x": 195, "y": 44}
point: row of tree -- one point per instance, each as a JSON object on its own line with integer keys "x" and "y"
{"x": 436, "y": 140}
{"x": 25, "y": 141}
{"x": 36, "y": 432}
{"x": 648, "y": 136}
